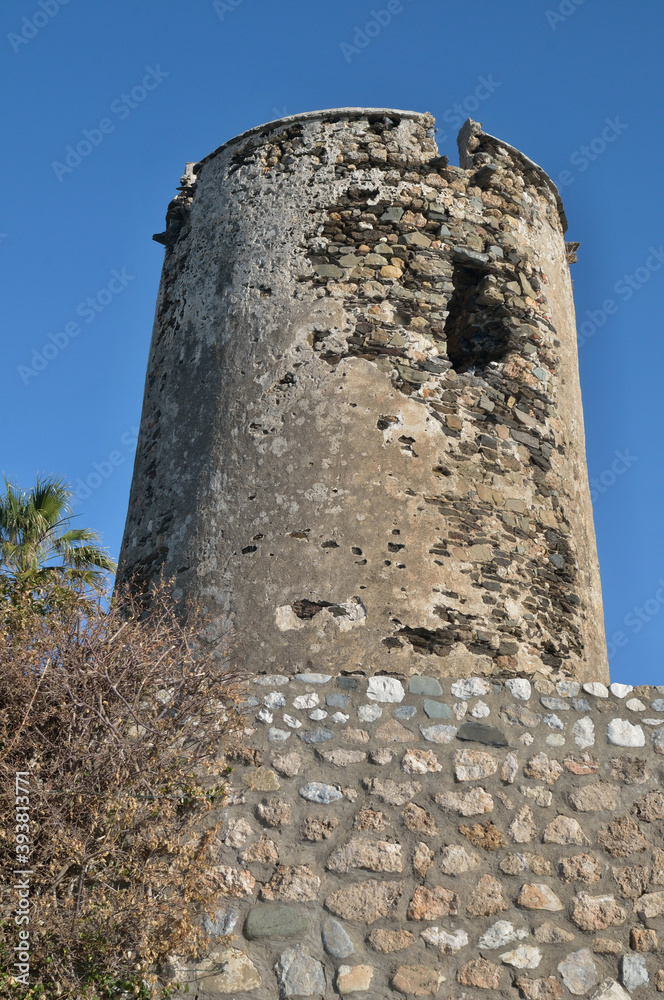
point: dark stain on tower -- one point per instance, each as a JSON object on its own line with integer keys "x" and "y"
{"x": 362, "y": 436}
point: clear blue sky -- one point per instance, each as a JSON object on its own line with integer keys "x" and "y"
{"x": 576, "y": 85}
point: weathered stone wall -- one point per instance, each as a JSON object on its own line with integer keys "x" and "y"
{"x": 362, "y": 438}
{"x": 455, "y": 839}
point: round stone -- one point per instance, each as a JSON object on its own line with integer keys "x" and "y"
{"x": 299, "y": 974}
{"x": 583, "y": 732}
{"x": 438, "y": 734}
{"x": 621, "y": 690}
{"x": 633, "y": 971}
{"x": 622, "y": 733}
{"x": 369, "y": 713}
{"x": 385, "y": 689}
{"x": 335, "y": 939}
{"x": 519, "y": 687}
{"x": 579, "y": 972}
{"x": 470, "y": 687}
{"x": 597, "y": 689}
{"x": 316, "y": 791}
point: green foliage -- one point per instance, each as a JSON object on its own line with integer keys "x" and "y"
{"x": 40, "y": 554}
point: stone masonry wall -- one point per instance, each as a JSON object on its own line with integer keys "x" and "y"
{"x": 415, "y": 837}
{"x": 362, "y": 437}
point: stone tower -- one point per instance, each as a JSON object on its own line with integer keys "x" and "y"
{"x": 362, "y": 440}
{"x": 362, "y": 448}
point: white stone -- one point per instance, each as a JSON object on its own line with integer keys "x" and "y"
{"x": 610, "y": 990}
{"x": 318, "y": 715}
{"x": 527, "y": 739}
{"x": 369, "y": 713}
{"x": 583, "y": 732}
{"x": 309, "y": 700}
{"x": 500, "y": 934}
{"x": 385, "y": 689}
{"x": 553, "y": 721}
{"x": 539, "y": 794}
{"x": 271, "y": 680}
{"x": 658, "y": 740}
{"x": 438, "y": 734}
{"x": 651, "y": 722}
{"x": 277, "y": 735}
{"x": 621, "y": 690}
{"x": 622, "y": 733}
{"x": 460, "y": 709}
{"x": 510, "y": 768}
{"x": 446, "y": 942}
{"x": 633, "y": 971}
{"x": 290, "y": 721}
{"x": 238, "y": 833}
{"x": 339, "y": 717}
{"x": 264, "y": 716}
{"x": 519, "y": 688}
{"x": 657, "y": 705}
{"x": 596, "y": 689}
{"x": 455, "y": 860}
{"x": 568, "y": 689}
{"x": 634, "y": 705}
{"x": 316, "y": 791}
{"x": 275, "y": 699}
{"x": 555, "y": 740}
{"x": 526, "y": 956}
{"x": 470, "y": 687}
{"x": 480, "y": 710}
{"x": 314, "y": 678}
{"x": 420, "y": 762}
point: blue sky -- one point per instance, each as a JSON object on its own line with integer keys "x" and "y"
{"x": 148, "y": 86}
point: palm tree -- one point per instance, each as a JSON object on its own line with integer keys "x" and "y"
{"x": 37, "y": 546}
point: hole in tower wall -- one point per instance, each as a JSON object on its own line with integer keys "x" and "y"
{"x": 474, "y": 328}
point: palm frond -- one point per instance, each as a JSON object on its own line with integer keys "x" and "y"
{"x": 37, "y": 546}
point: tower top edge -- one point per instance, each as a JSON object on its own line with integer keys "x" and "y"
{"x": 471, "y": 137}
{"x": 484, "y": 140}
{"x": 305, "y": 116}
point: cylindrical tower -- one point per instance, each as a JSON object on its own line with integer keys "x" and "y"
{"x": 362, "y": 438}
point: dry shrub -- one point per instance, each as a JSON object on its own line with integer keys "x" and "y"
{"x": 122, "y": 719}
